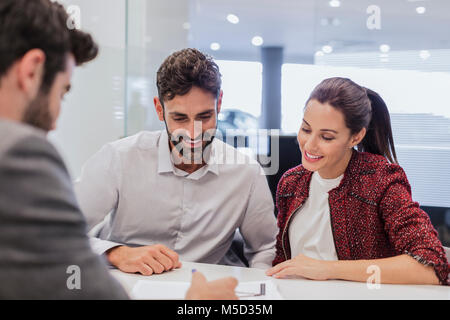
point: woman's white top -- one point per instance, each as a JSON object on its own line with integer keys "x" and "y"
{"x": 310, "y": 230}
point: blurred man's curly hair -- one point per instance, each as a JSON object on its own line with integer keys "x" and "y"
{"x": 41, "y": 24}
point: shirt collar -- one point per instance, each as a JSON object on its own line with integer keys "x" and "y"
{"x": 165, "y": 163}
{"x": 164, "y": 160}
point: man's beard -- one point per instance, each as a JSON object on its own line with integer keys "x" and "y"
{"x": 192, "y": 155}
{"x": 38, "y": 113}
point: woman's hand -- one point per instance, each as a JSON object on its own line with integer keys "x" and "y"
{"x": 302, "y": 266}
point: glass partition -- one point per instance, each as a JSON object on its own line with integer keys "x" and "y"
{"x": 401, "y": 49}
{"x": 93, "y": 112}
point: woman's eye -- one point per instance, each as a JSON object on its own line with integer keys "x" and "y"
{"x": 306, "y": 130}
{"x": 328, "y": 138}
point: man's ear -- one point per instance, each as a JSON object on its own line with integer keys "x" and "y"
{"x": 30, "y": 72}
{"x": 358, "y": 137}
{"x": 219, "y": 101}
{"x": 159, "y": 108}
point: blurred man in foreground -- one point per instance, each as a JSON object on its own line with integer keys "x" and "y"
{"x": 42, "y": 231}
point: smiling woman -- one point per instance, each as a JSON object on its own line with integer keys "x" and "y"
{"x": 343, "y": 204}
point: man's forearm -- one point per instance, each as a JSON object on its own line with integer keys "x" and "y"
{"x": 395, "y": 270}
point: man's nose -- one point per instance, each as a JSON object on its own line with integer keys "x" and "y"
{"x": 195, "y": 129}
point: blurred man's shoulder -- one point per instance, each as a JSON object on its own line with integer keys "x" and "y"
{"x": 12, "y": 133}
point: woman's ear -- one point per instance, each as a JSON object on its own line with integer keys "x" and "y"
{"x": 358, "y": 137}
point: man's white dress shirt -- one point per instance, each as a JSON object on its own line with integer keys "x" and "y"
{"x": 131, "y": 194}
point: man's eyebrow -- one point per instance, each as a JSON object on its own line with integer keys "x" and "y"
{"x": 331, "y": 130}
{"x": 177, "y": 114}
{"x": 206, "y": 112}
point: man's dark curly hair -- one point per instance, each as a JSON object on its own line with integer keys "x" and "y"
{"x": 41, "y": 24}
{"x": 184, "y": 69}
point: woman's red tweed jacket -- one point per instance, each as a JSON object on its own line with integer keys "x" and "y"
{"x": 372, "y": 214}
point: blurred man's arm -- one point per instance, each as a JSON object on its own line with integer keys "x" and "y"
{"x": 43, "y": 233}
{"x": 221, "y": 289}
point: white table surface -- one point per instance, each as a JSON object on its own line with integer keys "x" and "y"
{"x": 298, "y": 289}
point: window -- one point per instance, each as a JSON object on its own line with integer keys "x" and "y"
{"x": 242, "y": 85}
{"x": 420, "y": 116}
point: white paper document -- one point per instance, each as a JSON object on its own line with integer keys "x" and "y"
{"x": 175, "y": 290}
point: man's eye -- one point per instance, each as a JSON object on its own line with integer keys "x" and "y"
{"x": 179, "y": 119}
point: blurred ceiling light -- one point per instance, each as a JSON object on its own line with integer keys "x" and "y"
{"x": 257, "y": 41}
{"x": 215, "y": 46}
{"x": 186, "y": 26}
{"x": 421, "y": 10}
{"x": 424, "y": 54}
{"x": 319, "y": 53}
{"x": 327, "y": 49}
{"x": 232, "y": 18}
{"x": 335, "y": 3}
{"x": 385, "y": 48}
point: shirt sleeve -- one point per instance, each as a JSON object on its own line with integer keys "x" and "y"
{"x": 97, "y": 187}
{"x": 408, "y": 227}
{"x": 259, "y": 228}
{"x": 100, "y": 246}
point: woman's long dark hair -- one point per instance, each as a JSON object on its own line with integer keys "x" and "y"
{"x": 362, "y": 108}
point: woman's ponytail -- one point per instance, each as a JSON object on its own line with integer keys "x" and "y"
{"x": 379, "y": 139}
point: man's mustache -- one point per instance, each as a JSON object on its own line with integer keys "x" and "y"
{"x": 181, "y": 135}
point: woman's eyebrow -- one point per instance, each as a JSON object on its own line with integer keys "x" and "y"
{"x": 334, "y": 131}
{"x": 331, "y": 130}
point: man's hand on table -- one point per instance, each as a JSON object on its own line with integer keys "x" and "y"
{"x": 221, "y": 289}
{"x": 146, "y": 260}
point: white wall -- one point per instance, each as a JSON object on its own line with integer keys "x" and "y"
{"x": 92, "y": 114}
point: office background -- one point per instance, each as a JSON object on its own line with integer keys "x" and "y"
{"x": 271, "y": 55}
